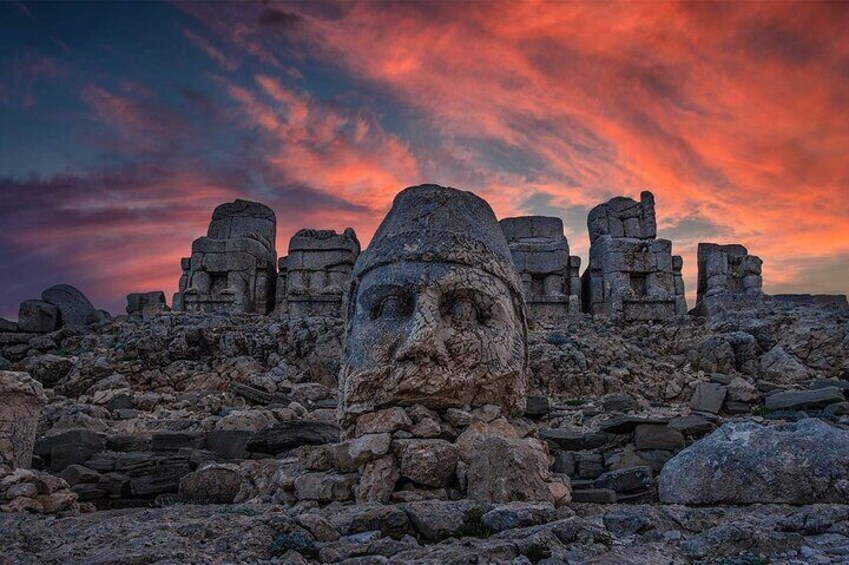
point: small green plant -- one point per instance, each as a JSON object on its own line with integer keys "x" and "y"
{"x": 762, "y": 411}
{"x": 473, "y": 526}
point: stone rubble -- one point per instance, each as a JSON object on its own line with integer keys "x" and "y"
{"x": 223, "y": 435}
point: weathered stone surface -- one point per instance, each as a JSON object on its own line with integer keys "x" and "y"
{"x": 655, "y": 436}
{"x": 234, "y": 268}
{"x": 318, "y": 269}
{"x": 537, "y": 406}
{"x": 388, "y": 420}
{"x": 436, "y": 315}
{"x": 429, "y": 462}
{"x": 38, "y": 316}
{"x": 594, "y": 495}
{"x": 726, "y": 271}
{"x": 626, "y": 424}
{"x": 518, "y": 515}
{"x": 378, "y": 480}
{"x": 506, "y": 470}
{"x": 325, "y": 487}
{"x": 625, "y": 480}
{"x": 74, "y": 308}
{"x": 368, "y": 447}
{"x": 154, "y": 474}
{"x": 146, "y": 303}
{"x": 549, "y": 275}
{"x": 49, "y": 369}
{"x": 21, "y": 401}
{"x": 708, "y": 397}
{"x": 693, "y": 425}
{"x": 212, "y": 484}
{"x": 569, "y": 440}
{"x": 631, "y": 274}
{"x": 436, "y": 520}
{"x": 801, "y": 399}
{"x": 781, "y": 367}
{"x": 287, "y": 435}
{"x": 172, "y": 441}
{"x": 228, "y": 444}
{"x": 744, "y": 463}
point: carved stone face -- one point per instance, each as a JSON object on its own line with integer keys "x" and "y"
{"x": 437, "y": 334}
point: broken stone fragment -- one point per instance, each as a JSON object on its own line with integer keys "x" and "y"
{"x": 22, "y": 401}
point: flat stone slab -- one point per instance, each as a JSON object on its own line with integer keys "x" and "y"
{"x": 594, "y": 495}
{"x": 626, "y": 424}
{"x": 625, "y": 480}
{"x": 574, "y": 441}
{"x": 796, "y": 399}
{"x": 293, "y": 434}
{"x": 693, "y": 425}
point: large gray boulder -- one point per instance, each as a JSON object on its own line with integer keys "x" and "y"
{"x": 803, "y": 462}
{"x": 74, "y": 308}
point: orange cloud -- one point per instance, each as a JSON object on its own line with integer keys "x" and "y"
{"x": 735, "y": 112}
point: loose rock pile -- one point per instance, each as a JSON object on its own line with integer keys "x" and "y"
{"x": 229, "y": 437}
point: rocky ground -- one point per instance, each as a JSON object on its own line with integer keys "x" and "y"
{"x": 185, "y": 438}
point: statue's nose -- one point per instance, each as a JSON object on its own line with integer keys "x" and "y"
{"x": 424, "y": 337}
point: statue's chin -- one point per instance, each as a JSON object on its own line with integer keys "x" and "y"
{"x": 433, "y": 387}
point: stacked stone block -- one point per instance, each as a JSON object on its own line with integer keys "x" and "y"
{"x": 726, "y": 272}
{"x": 631, "y": 275}
{"x": 550, "y": 280}
{"x": 233, "y": 268}
{"x": 318, "y": 269}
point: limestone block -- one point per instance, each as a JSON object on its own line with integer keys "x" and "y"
{"x": 22, "y": 401}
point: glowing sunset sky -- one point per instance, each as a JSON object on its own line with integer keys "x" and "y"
{"x": 123, "y": 125}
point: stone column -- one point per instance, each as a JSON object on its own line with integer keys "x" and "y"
{"x": 22, "y": 401}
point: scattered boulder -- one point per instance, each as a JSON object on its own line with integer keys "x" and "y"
{"x": 802, "y": 462}
{"x": 37, "y": 316}
{"x": 781, "y": 367}
{"x": 75, "y": 309}
{"x": 212, "y": 484}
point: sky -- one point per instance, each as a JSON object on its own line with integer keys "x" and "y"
{"x": 122, "y": 126}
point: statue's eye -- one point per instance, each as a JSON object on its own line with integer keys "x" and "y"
{"x": 393, "y": 307}
{"x": 462, "y": 312}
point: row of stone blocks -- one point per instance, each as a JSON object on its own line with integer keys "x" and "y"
{"x": 631, "y": 274}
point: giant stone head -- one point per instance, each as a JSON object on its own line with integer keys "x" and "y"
{"x": 435, "y": 315}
